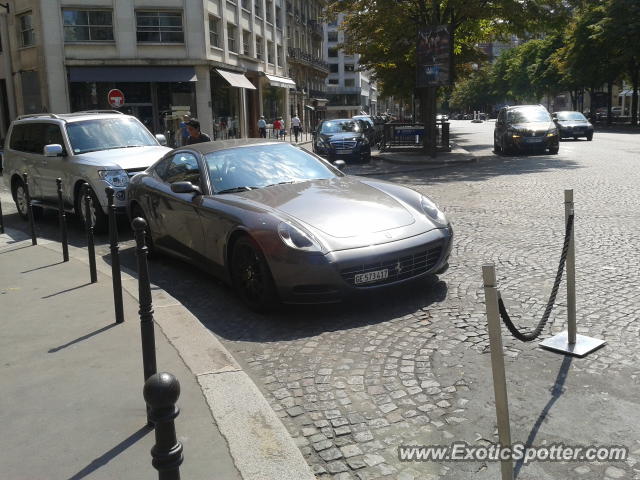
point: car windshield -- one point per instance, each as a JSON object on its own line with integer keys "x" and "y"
{"x": 339, "y": 126}
{"x": 246, "y": 168}
{"x": 571, "y": 116}
{"x": 108, "y": 133}
{"x": 525, "y": 115}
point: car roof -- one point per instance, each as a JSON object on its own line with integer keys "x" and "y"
{"x": 214, "y": 146}
{"x": 72, "y": 117}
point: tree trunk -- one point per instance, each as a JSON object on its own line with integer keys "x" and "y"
{"x": 635, "y": 79}
{"x": 609, "y": 93}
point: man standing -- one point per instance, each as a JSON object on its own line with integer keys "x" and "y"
{"x": 262, "y": 127}
{"x": 195, "y": 135}
{"x": 184, "y": 132}
{"x": 295, "y": 123}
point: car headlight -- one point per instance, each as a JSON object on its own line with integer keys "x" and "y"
{"x": 115, "y": 178}
{"x": 433, "y": 212}
{"x": 364, "y": 140}
{"x": 297, "y": 238}
{"x": 552, "y": 133}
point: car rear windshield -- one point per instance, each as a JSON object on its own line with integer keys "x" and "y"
{"x": 263, "y": 165}
{"x": 525, "y": 115}
{"x": 340, "y": 126}
{"x": 108, "y": 133}
{"x": 571, "y": 116}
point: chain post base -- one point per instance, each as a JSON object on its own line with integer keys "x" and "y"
{"x": 583, "y": 346}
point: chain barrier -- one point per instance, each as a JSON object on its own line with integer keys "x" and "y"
{"x": 529, "y": 336}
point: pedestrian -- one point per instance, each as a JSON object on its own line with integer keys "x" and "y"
{"x": 283, "y": 131}
{"x": 195, "y": 135}
{"x": 295, "y": 124}
{"x": 262, "y": 127}
{"x": 184, "y": 132}
{"x": 276, "y": 127}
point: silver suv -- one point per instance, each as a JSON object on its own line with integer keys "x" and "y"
{"x": 103, "y": 148}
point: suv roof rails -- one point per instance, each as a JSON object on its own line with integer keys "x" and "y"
{"x": 36, "y": 115}
{"x": 98, "y": 111}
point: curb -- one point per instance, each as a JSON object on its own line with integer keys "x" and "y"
{"x": 259, "y": 444}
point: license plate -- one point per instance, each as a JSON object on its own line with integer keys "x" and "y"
{"x": 371, "y": 276}
{"x": 345, "y": 151}
{"x": 533, "y": 140}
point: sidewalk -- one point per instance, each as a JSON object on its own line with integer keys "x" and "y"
{"x": 72, "y": 399}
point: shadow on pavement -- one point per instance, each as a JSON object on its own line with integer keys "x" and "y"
{"x": 82, "y": 338}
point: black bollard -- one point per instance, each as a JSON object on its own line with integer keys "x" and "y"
{"x": 62, "y": 220}
{"x": 144, "y": 295}
{"x": 161, "y": 392}
{"x": 34, "y": 240}
{"x": 115, "y": 256}
{"x": 89, "y": 227}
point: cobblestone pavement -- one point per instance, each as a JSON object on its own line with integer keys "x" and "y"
{"x": 354, "y": 381}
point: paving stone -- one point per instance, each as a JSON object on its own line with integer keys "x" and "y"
{"x": 350, "y": 450}
{"x": 330, "y": 454}
{"x": 372, "y": 459}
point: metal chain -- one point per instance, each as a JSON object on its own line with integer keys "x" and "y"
{"x": 527, "y": 337}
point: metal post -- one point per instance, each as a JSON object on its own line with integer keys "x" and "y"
{"x": 161, "y": 392}
{"x": 115, "y": 256}
{"x": 497, "y": 366}
{"x": 32, "y": 228}
{"x": 1, "y": 219}
{"x": 571, "y": 271}
{"x": 144, "y": 295}
{"x": 62, "y": 220}
{"x": 88, "y": 224}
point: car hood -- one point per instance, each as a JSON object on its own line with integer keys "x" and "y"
{"x": 341, "y": 207}
{"x": 125, "y": 158}
{"x": 573, "y": 123}
{"x": 340, "y": 136}
{"x": 533, "y": 126}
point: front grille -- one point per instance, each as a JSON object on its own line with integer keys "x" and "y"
{"x": 401, "y": 267}
{"x": 343, "y": 144}
{"x": 539, "y": 133}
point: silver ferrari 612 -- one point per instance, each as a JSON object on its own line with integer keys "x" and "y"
{"x": 281, "y": 224}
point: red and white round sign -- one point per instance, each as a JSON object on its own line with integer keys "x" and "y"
{"x": 115, "y": 98}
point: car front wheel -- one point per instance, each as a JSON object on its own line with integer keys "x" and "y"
{"x": 99, "y": 220}
{"x": 251, "y": 276}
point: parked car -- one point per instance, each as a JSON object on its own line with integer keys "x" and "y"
{"x": 573, "y": 124}
{"x": 442, "y": 117}
{"x": 343, "y": 138}
{"x": 374, "y": 127}
{"x": 281, "y": 224}
{"x": 97, "y": 147}
{"x": 524, "y": 128}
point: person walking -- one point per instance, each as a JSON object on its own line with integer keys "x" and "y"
{"x": 283, "y": 131}
{"x": 195, "y": 135}
{"x": 262, "y": 127}
{"x": 184, "y": 132}
{"x": 295, "y": 124}
{"x": 276, "y": 127}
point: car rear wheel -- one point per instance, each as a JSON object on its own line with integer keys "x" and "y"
{"x": 251, "y": 277}
{"x": 19, "y": 193}
{"x": 98, "y": 218}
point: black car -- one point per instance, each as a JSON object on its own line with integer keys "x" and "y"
{"x": 343, "y": 138}
{"x": 573, "y": 124}
{"x": 524, "y": 128}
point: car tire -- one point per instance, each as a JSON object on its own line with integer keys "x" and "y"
{"x": 100, "y": 219}
{"x": 137, "y": 211}
{"x": 251, "y": 276}
{"x": 554, "y": 150}
{"x": 590, "y": 137}
{"x": 496, "y": 148}
{"x": 19, "y": 194}
{"x": 504, "y": 148}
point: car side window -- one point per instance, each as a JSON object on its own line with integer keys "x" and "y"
{"x": 52, "y": 135}
{"x": 28, "y": 137}
{"x": 182, "y": 167}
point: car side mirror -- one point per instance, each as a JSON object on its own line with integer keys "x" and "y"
{"x": 53, "y": 150}
{"x": 339, "y": 164}
{"x": 162, "y": 140}
{"x": 185, "y": 187}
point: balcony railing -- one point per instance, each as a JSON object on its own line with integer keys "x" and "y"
{"x": 298, "y": 55}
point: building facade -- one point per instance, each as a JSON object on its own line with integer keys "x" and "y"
{"x": 222, "y": 61}
{"x": 350, "y": 91}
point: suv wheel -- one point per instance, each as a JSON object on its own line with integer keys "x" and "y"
{"x": 98, "y": 218}
{"x": 19, "y": 193}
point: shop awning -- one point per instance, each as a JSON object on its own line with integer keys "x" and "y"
{"x": 309, "y": 107}
{"x": 132, "y": 74}
{"x": 321, "y": 101}
{"x": 284, "y": 82}
{"x": 236, "y": 79}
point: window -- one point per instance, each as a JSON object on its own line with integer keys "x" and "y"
{"x": 246, "y": 42}
{"x": 349, "y": 82}
{"x": 26, "y": 33}
{"x": 332, "y": 36}
{"x": 270, "y": 53}
{"x": 182, "y": 167}
{"x": 29, "y": 137}
{"x": 231, "y": 37}
{"x": 280, "y": 55}
{"x": 159, "y": 27}
{"x": 279, "y": 17}
{"x": 333, "y": 81}
{"x": 259, "y": 48}
{"x": 349, "y": 67}
{"x": 269, "y": 11}
{"x": 332, "y": 52}
{"x": 258, "y": 8}
{"x": 246, "y": 4}
{"x": 333, "y": 68}
{"x": 214, "y": 32}
{"x": 87, "y": 25}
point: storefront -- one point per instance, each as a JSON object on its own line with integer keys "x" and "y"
{"x": 150, "y": 93}
{"x": 228, "y": 103}
{"x": 275, "y": 98}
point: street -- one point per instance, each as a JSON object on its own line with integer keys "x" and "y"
{"x": 354, "y": 381}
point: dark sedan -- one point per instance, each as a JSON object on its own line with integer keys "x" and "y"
{"x": 279, "y": 223}
{"x": 573, "y": 124}
{"x": 343, "y": 138}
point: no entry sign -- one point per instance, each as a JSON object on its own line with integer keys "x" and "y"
{"x": 115, "y": 98}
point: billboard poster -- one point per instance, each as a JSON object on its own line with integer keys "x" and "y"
{"x": 433, "y": 56}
